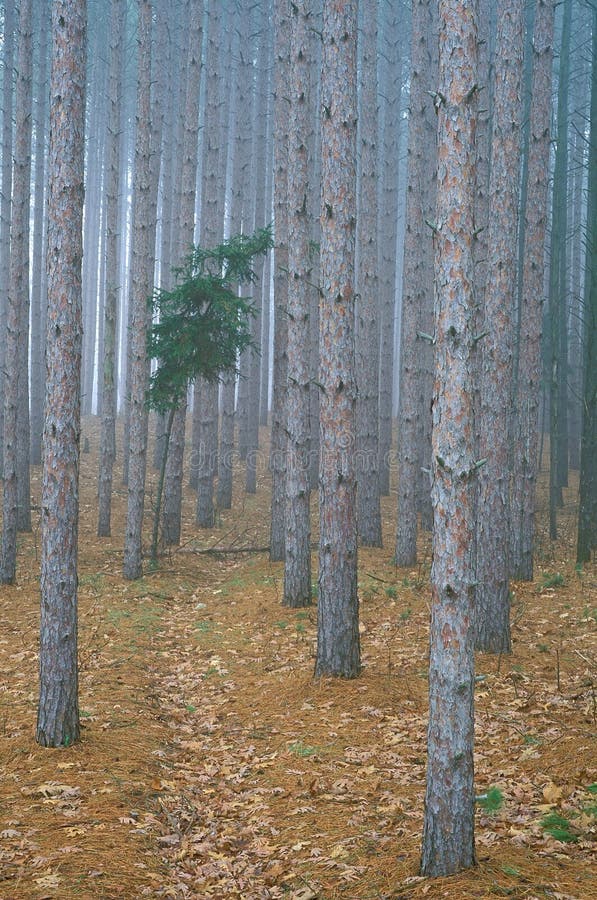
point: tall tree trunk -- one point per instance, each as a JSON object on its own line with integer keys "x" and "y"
{"x": 493, "y": 519}
{"x": 280, "y": 363}
{"x": 587, "y": 513}
{"x": 38, "y": 285}
{"x": 171, "y": 517}
{"x": 448, "y": 831}
{"x": 367, "y": 325}
{"x": 558, "y": 285}
{"x": 24, "y": 127}
{"x": 338, "y": 645}
{"x": 531, "y": 312}
{"x": 257, "y": 220}
{"x": 145, "y": 202}
{"x": 17, "y": 311}
{"x": 297, "y": 559}
{"x": 58, "y": 712}
{"x": 212, "y": 227}
{"x": 390, "y": 88}
{"x": 109, "y": 361}
{"x": 226, "y": 454}
{"x": 6, "y": 195}
{"x": 416, "y": 278}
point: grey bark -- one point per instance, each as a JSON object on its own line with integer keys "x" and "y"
{"x": 297, "y": 558}
{"x": 38, "y": 279}
{"x": 416, "y": 278}
{"x": 5, "y": 197}
{"x": 448, "y": 830}
{"x": 109, "y": 359}
{"x": 338, "y": 644}
{"x": 144, "y": 218}
{"x": 367, "y": 330}
{"x": 18, "y": 300}
{"x": 280, "y": 361}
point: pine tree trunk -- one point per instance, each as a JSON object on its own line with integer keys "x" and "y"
{"x": 280, "y": 362}
{"x": 212, "y": 224}
{"x": 338, "y": 645}
{"x": 38, "y": 286}
{"x": 367, "y": 330}
{"x": 448, "y": 831}
{"x": 416, "y": 280}
{"x": 557, "y": 336}
{"x": 145, "y": 203}
{"x": 297, "y": 559}
{"x": 109, "y": 360}
{"x": 17, "y": 310}
{"x": 6, "y": 196}
{"x": 531, "y": 314}
{"x": 189, "y": 102}
{"x": 390, "y": 88}
{"x": 493, "y": 525}
{"x": 22, "y": 188}
{"x": 587, "y": 514}
{"x": 58, "y": 712}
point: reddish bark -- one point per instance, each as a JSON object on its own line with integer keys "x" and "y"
{"x": 58, "y": 713}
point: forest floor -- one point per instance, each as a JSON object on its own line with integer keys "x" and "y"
{"x": 213, "y": 765}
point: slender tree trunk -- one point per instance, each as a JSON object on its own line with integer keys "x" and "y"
{"x": 493, "y": 520}
{"x": 6, "y": 195}
{"x": 532, "y": 295}
{"x": 416, "y": 279}
{"x": 448, "y": 831}
{"x": 367, "y": 325}
{"x": 38, "y": 285}
{"x": 18, "y": 303}
{"x": 587, "y": 513}
{"x": 338, "y": 645}
{"x": 297, "y": 559}
{"x": 557, "y": 284}
{"x": 258, "y": 220}
{"x": 280, "y": 363}
{"x": 22, "y": 188}
{"x": 58, "y": 712}
{"x": 212, "y": 225}
{"x": 390, "y": 88}
{"x": 171, "y": 518}
{"x": 145, "y": 202}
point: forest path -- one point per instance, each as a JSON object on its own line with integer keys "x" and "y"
{"x": 213, "y": 765}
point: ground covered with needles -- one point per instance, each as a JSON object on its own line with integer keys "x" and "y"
{"x": 212, "y": 765}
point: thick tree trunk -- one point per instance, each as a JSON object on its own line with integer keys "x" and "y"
{"x": 493, "y": 523}
{"x": 297, "y": 560}
{"x": 338, "y": 645}
{"x": 58, "y": 713}
{"x": 448, "y": 835}
{"x": 533, "y": 290}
